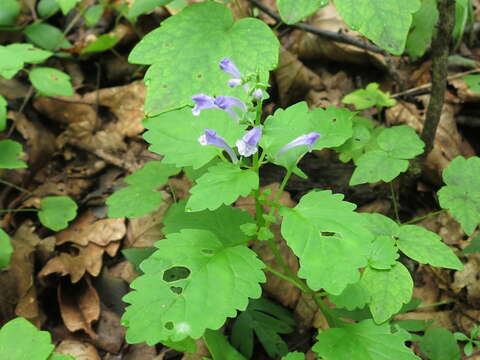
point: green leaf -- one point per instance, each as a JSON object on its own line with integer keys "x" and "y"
{"x": 380, "y": 225}
{"x": 10, "y": 62}
{"x": 423, "y": 25}
{"x": 412, "y": 325}
{"x": 440, "y": 344}
{"x": 334, "y": 125}
{"x": 388, "y": 289}
{"x": 9, "y": 12}
{"x": 133, "y": 201}
{"x": 103, "y": 43}
{"x": 46, "y": 36}
{"x": 355, "y": 296}
{"x": 172, "y": 84}
{"x": 294, "y": 356}
{"x": 224, "y": 222}
{"x": 28, "y": 53}
{"x": 217, "y": 279}
{"x": 222, "y": 184}
{"x": 366, "y": 340}
{"x": 179, "y": 144}
{"x": 140, "y": 7}
{"x": 3, "y": 113}
{"x": 153, "y": 174}
{"x": 6, "y": 249}
{"x": 354, "y": 147}
{"x": 328, "y": 262}
{"x": 383, "y": 253}
{"x": 293, "y": 11}
{"x": 473, "y": 82}
{"x": 219, "y": 347}
{"x": 369, "y": 97}
{"x": 426, "y": 247}
{"x": 395, "y": 146}
{"x": 47, "y": 8}
{"x": 136, "y": 256}
{"x": 93, "y": 15}
{"x": 10, "y": 151}
{"x": 56, "y": 212}
{"x": 67, "y": 5}
{"x": 461, "y": 17}
{"x": 20, "y": 340}
{"x": 186, "y": 345}
{"x": 461, "y": 195}
{"x": 473, "y": 247}
{"x": 267, "y": 320}
{"x": 56, "y": 356}
{"x": 385, "y": 22}
{"x": 51, "y": 82}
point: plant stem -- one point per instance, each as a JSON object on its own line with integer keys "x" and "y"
{"x": 292, "y": 281}
{"x": 19, "y": 188}
{"x": 420, "y": 218}
{"x": 17, "y": 210}
{"x": 395, "y": 205}
{"x": 426, "y": 306}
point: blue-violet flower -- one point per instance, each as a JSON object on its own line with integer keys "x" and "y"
{"x": 229, "y": 67}
{"x": 225, "y": 103}
{"x": 306, "y": 139}
{"x": 210, "y": 137}
{"x": 247, "y": 145}
{"x": 258, "y": 94}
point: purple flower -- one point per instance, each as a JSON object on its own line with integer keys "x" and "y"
{"x": 210, "y": 137}
{"x": 306, "y": 139}
{"x": 225, "y": 103}
{"x": 247, "y": 145}
{"x": 229, "y": 67}
{"x": 258, "y": 94}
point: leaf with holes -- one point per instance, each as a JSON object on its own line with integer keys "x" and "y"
{"x": 10, "y": 151}
{"x": 370, "y": 96}
{"x": 6, "y": 249}
{"x": 292, "y": 11}
{"x": 426, "y": 247}
{"x": 328, "y": 262}
{"x": 133, "y": 201}
{"x": 222, "y": 184}
{"x": 461, "y": 195}
{"x": 389, "y": 156}
{"x": 179, "y": 143}
{"x": 248, "y": 42}
{"x": 193, "y": 282}
{"x": 51, "y": 82}
{"x": 385, "y": 22}
{"x": 364, "y": 339}
{"x": 56, "y": 212}
{"x": 388, "y": 290}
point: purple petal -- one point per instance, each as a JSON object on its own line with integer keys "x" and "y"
{"x": 202, "y": 102}
{"x": 229, "y": 67}
{"x": 303, "y": 140}
{"x": 247, "y": 145}
{"x": 210, "y": 137}
{"x": 258, "y": 94}
{"x": 234, "y": 82}
{"x": 226, "y": 102}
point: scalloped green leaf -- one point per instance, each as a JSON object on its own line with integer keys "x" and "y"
{"x": 369, "y": 97}
{"x": 389, "y": 155}
{"x": 461, "y": 194}
{"x": 175, "y": 135}
{"x": 10, "y": 151}
{"x": 248, "y": 42}
{"x": 423, "y": 26}
{"x": 388, "y": 290}
{"x": 293, "y": 11}
{"x": 385, "y": 22}
{"x": 328, "y": 262}
{"x": 56, "y": 212}
{"x": 20, "y": 340}
{"x": 354, "y": 147}
{"x": 152, "y": 174}
{"x": 366, "y": 340}
{"x": 224, "y": 183}
{"x": 224, "y": 222}
{"x": 426, "y": 247}
{"x": 380, "y": 225}
{"x": 6, "y": 249}
{"x": 383, "y": 253}
{"x": 133, "y": 201}
{"x": 334, "y": 125}
{"x": 355, "y": 296}
{"x": 217, "y": 280}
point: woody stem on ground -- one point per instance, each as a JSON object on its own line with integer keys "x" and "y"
{"x": 440, "y": 51}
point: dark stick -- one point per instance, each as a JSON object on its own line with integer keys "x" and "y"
{"x": 338, "y": 37}
{"x": 440, "y": 52}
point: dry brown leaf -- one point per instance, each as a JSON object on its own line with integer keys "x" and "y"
{"x": 305, "y": 312}
{"x": 464, "y": 92}
{"x": 79, "y": 306}
{"x": 335, "y": 87}
{"x": 110, "y": 332}
{"x": 468, "y": 279}
{"x": 140, "y": 352}
{"x": 124, "y": 270}
{"x": 78, "y": 349}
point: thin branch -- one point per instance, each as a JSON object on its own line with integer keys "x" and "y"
{"x": 338, "y": 37}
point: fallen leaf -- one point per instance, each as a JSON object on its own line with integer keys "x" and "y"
{"x": 78, "y": 349}
{"x": 110, "y": 333}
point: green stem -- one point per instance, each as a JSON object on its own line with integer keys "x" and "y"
{"x": 292, "y": 281}
{"x": 17, "y": 210}
{"x": 440, "y": 303}
{"x": 19, "y": 188}
{"x": 420, "y": 218}
{"x": 395, "y": 205}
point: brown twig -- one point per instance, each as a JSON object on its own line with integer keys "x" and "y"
{"x": 338, "y": 37}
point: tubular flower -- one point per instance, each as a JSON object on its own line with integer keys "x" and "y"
{"x": 225, "y": 103}
{"x": 229, "y": 67}
{"x": 247, "y": 145}
{"x": 258, "y": 94}
{"x": 210, "y": 137}
{"x": 303, "y": 140}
